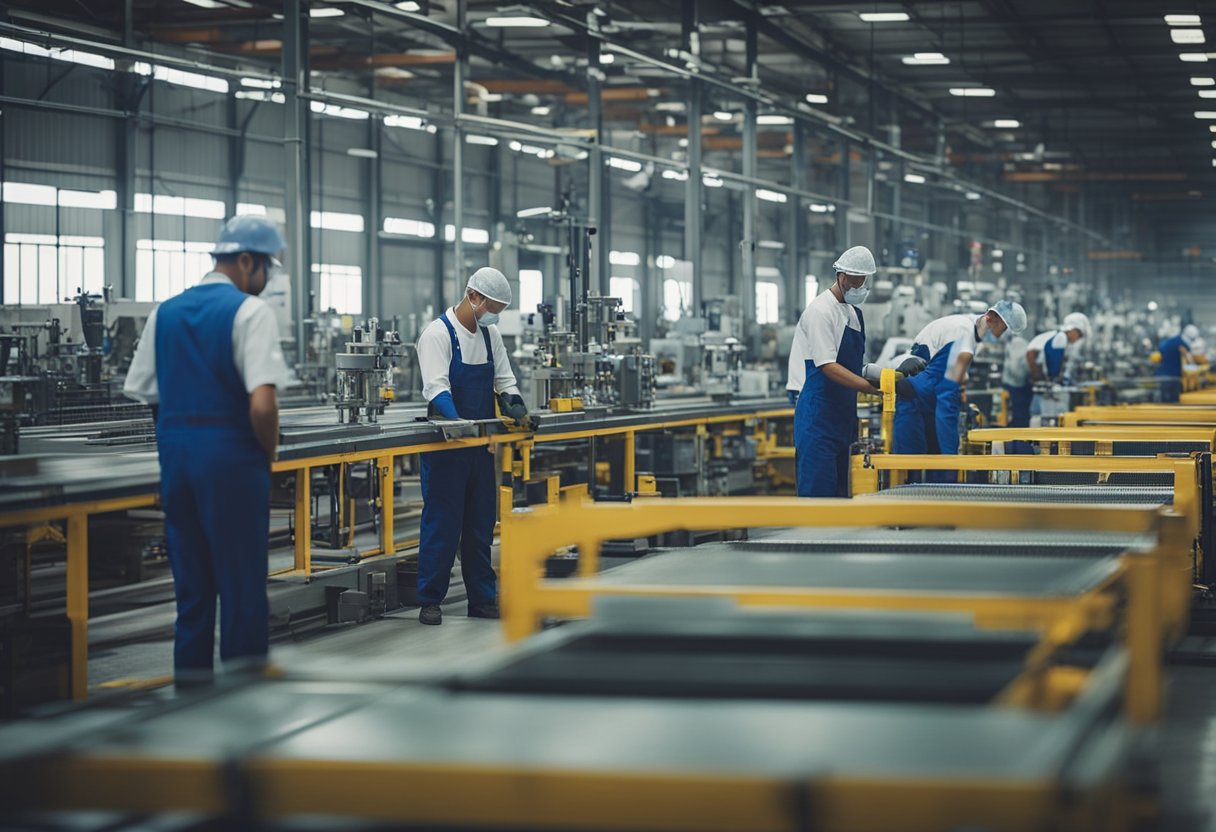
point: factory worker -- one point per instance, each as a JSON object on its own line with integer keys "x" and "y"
{"x": 795, "y": 375}
{"x": 464, "y": 364}
{"x": 825, "y": 417}
{"x": 209, "y": 364}
{"x": 1015, "y": 379}
{"x": 927, "y": 422}
{"x": 1048, "y": 354}
{"x": 1174, "y": 353}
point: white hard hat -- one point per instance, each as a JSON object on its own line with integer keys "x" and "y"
{"x": 1078, "y": 321}
{"x": 1012, "y": 314}
{"x": 858, "y": 260}
{"x": 1190, "y": 332}
{"x": 492, "y": 284}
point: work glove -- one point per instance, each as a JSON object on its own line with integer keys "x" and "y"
{"x": 911, "y": 365}
{"x": 512, "y": 406}
{"x": 443, "y": 406}
{"x": 904, "y": 389}
{"x": 872, "y": 373}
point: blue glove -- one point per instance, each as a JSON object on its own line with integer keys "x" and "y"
{"x": 444, "y": 405}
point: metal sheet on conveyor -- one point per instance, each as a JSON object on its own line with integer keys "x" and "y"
{"x": 31, "y": 482}
{"x": 976, "y": 543}
{"x": 981, "y": 493}
{"x": 721, "y": 564}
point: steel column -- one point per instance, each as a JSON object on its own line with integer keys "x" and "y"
{"x": 796, "y": 281}
{"x": 295, "y": 82}
{"x": 373, "y": 285}
{"x": 599, "y": 188}
{"x": 692, "y": 188}
{"x": 747, "y": 246}
{"x": 458, "y": 74}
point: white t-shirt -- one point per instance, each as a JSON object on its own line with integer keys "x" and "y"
{"x": 800, "y": 351}
{"x": 1015, "y": 373}
{"x": 255, "y": 350}
{"x": 821, "y": 327}
{"x": 953, "y": 332}
{"x": 1058, "y": 339}
{"x": 435, "y": 355}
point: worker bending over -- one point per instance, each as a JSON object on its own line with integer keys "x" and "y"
{"x": 1175, "y": 352}
{"x": 1015, "y": 380}
{"x": 1049, "y": 354}
{"x": 464, "y": 363}
{"x": 825, "y": 417}
{"x": 209, "y": 363}
{"x": 927, "y": 421}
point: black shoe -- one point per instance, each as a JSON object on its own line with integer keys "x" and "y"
{"x": 431, "y": 614}
{"x": 489, "y": 610}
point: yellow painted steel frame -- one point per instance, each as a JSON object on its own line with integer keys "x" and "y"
{"x": 1097, "y": 433}
{"x": 1160, "y": 414}
{"x": 1179, "y": 565}
{"x": 529, "y": 537}
{"x": 76, "y": 515}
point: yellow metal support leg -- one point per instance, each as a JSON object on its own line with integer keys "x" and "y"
{"x": 631, "y": 444}
{"x": 387, "y": 509}
{"x": 303, "y": 520}
{"x": 78, "y": 601}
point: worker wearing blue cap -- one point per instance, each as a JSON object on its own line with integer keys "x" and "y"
{"x": 209, "y": 363}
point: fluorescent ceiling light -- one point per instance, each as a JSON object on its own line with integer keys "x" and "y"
{"x": 723, "y": 115}
{"x": 1193, "y": 57}
{"x": 339, "y": 112}
{"x": 1212, "y": 128}
{"x": 665, "y": 261}
{"x": 816, "y": 98}
{"x": 818, "y": 208}
{"x": 624, "y": 258}
{"x": 543, "y": 210}
{"x": 624, "y": 164}
{"x": 325, "y": 11}
{"x": 677, "y": 175}
{"x": 1187, "y": 35}
{"x": 712, "y": 182}
{"x": 972, "y": 195}
{"x": 774, "y": 120}
{"x": 1182, "y": 19}
{"x": 518, "y": 21}
{"x": 408, "y": 6}
{"x": 774, "y": 244}
{"x": 361, "y": 152}
{"x": 1007, "y": 123}
{"x": 972, "y": 92}
{"x": 1203, "y": 82}
{"x": 926, "y": 59}
{"x": 488, "y": 141}
{"x": 206, "y": 4}
{"x": 1205, "y": 114}
{"x": 770, "y": 196}
{"x": 491, "y": 97}
{"x": 261, "y": 83}
{"x": 408, "y": 122}
{"x": 883, "y": 17}
{"x": 914, "y": 178}
{"x": 607, "y": 58}
{"x": 541, "y": 111}
{"x": 1207, "y": 93}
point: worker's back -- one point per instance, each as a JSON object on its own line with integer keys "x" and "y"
{"x": 1171, "y": 357}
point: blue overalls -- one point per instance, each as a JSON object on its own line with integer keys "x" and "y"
{"x": 1019, "y": 404}
{"x": 1169, "y": 371}
{"x": 928, "y": 421}
{"x": 214, "y": 479}
{"x": 825, "y": 421}
{"x": 1053, "y": 360}
{"x": 458, "y": 493}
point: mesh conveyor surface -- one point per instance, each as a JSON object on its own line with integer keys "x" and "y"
{"x": 725, "y": 565}
{"x": 1121, "y": 494}
{"x": 974, "y": 543}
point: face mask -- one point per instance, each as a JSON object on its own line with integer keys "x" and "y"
{"x": 485, "y": 318}
{"x": 990, "y": 337}
{"x": 858, "y": 295}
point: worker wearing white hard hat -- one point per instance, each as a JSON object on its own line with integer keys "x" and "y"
{"x": 1050, "y": 354}
{"x": 464, "y": 365}
{"x": 1174, "y": 352}
{"x": 927, "y": 421}
{"x": 833, "y": 331}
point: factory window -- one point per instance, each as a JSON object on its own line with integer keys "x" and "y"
{"x": 336, "y": 221}
{"x": 812, "y": 287}
{"x": 179, "y": 206}
{"x": 409, "y": 228}
{"x": 477, "y": 236}
{"x": 164, "y": 268}
{"x": 341, "y": 288}
{"x": 767, "y": 303}
{"x": 625, "y": 288}
{"x": 677, "y": 297}
{"x": 531, "y": 290}
{"x": 43, "y": 268}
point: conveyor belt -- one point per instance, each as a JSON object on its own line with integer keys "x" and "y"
{"x": 974, "y": 543}
{"x": 1123, "y": 495}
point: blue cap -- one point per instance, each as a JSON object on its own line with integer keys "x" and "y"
{"x": 257, "y": 235}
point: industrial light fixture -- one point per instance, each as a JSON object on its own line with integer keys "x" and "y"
{"x": 1205, "y": 114}
{"x": 624, "y": 258}
{"x": 883, "y": 17}
{"x": 677, "y": 175}
{"x": 408, "y": 122}
{"x": 543, "y": 210}
{"x": 770, "y": 196}
{"x": 926, "y": 59}
{"x": 607, "y": 58}
{"x": 361, "y": 152}
{"x": 1193, "y": 57}
{"x": 723, "y": 115}
{"x": 816, "y": 98}
{"x": 1212, "y": 128}
{"x": 541, "y": 110}
{"x": 1187, "y": 35}
{"x": 1197, "y": 81}
{"x": 408, "y": 6}
{"x": 325, "y": 11}
{"x": 206, "y": 4}
{"x": 1007, "y": 123}
{"x": 1182, "y": 19}
{"x": 972, "y": 195}
{"x": 516, "y": 22}
{"x": 1207, "y": 93}
{"x": 712, "y": 182}
{"x": 973, "y": 92}
{"x": 820, "y": 208}
{"x": 914, "y": 178}
{"x": 624, "y": 164}
{"x": 773, "y": 120}
{"x": 488, "y": 141}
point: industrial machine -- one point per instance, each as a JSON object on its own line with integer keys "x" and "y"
{"x": 365, "y": 373}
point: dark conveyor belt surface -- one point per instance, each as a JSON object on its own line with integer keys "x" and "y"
{"x": 974, "y": 543}
{"x": 724, "y": 565}
{"x": 1144, "y": 495}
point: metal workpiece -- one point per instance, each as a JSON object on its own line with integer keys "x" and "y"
{"x": 1127, "y": 495}
{"x": 970, "y": 543}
